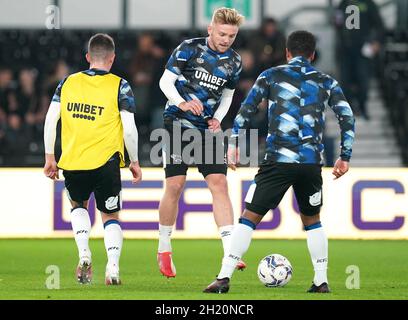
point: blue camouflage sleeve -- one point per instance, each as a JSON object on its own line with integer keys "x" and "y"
{"x": 179, "y": 58}
{"x": 126, "y": 99}
{"x": 258, "y": 92}
{"x": 338, "y": 103}
{"x": 234, "y": 81}
{"x": 57, "y": 94}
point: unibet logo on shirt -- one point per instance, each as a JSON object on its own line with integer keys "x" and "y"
{"x": 209, "y": 80}
{"x": 84, "y": 111}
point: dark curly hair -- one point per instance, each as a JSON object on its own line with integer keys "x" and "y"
{"x": 301, "y": 43}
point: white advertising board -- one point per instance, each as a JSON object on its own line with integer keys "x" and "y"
{"x": 363, "y": 204}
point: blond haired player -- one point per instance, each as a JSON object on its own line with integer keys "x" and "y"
{"x": 97, "y": 110}
{"x": 199, "y": 82}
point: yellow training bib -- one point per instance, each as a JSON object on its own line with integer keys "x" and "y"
{"x": 91, "y": 127}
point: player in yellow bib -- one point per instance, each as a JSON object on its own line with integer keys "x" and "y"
{"x": 97, "y": 110}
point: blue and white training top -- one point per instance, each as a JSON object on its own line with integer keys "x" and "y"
{"x": 297, "y": 95}
{"x": 202, "y": 74}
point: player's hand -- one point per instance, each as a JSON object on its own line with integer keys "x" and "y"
{"x": 50, "y": 168}
{"x": 340, "y": 168}
{"x": 195, "y": 106}
{"x": 136, "y": 172}
{"x": 233, "y": 157}
{"x": 214, "y": 125}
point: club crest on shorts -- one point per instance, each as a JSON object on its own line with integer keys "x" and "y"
{"x": 316, "y": 199}
{"x": 177, "y": 159}
{"x": 112, "y": 203}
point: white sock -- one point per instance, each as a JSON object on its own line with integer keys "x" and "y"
{"x": 226, "y": 233}
{"x": 113, "y": 242}
{"x": 318, "y": 249}
{"x": 81, "y": 226}
{"x": 165, "y": 238}
{"x": 240, "y": 240}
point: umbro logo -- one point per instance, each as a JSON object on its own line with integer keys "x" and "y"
{"x": 225, "y": 233}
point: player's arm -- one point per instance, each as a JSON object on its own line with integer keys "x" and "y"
{"x": 131, "y": 137}
{"x": 248, "y": 108}
{"x": 345, "y": 117}
{"x": 167, "y": 86}
{"x": 174, "y": 68}
{"x": 258, "y": 92}
{"x": 50, "y": 133}
{"x": 127, "y": 107}
{"x": 226, "y": 99}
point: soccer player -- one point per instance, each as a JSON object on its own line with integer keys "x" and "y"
{"x": 97, "y": 110}
{"x": 199, "y": 82}
{"x": 296, "y": 94}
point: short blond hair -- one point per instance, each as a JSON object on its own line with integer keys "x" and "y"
{"x": 227, "y": 16}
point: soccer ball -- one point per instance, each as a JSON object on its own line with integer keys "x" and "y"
{"x": 274, "y": 270}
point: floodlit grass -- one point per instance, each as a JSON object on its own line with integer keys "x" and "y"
{"x": 382, "y": 266}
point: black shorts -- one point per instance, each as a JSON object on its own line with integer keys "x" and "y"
{"x": 207, "y": 153}
{"x": 104, "y": 182}
{"x": 274, "y": 179}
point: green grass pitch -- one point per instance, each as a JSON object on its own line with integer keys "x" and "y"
{"x": 382, "y": 266}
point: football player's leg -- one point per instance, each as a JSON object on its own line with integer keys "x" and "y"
{"x": 109, "y": 203}
{"x": 222, "y": 207}
{"x": 267, "y": 190}
{"x": 78, "y": 191}
{"x": 168, "y": 209}
{"x": 81, "y": 226}
{"x": 113, "y": 244}
{"x": 318, "y": 248}
{"x": 308, "y": 192}
{"x": 213, "y": 167}
{"x": 240, "y": 241}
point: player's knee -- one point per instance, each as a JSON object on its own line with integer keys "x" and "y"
{"x": 252, "y": 216}
{"x": 109, "y": 216}
{"x": 174, "y": 188}
{"x": 218, "y": 185}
